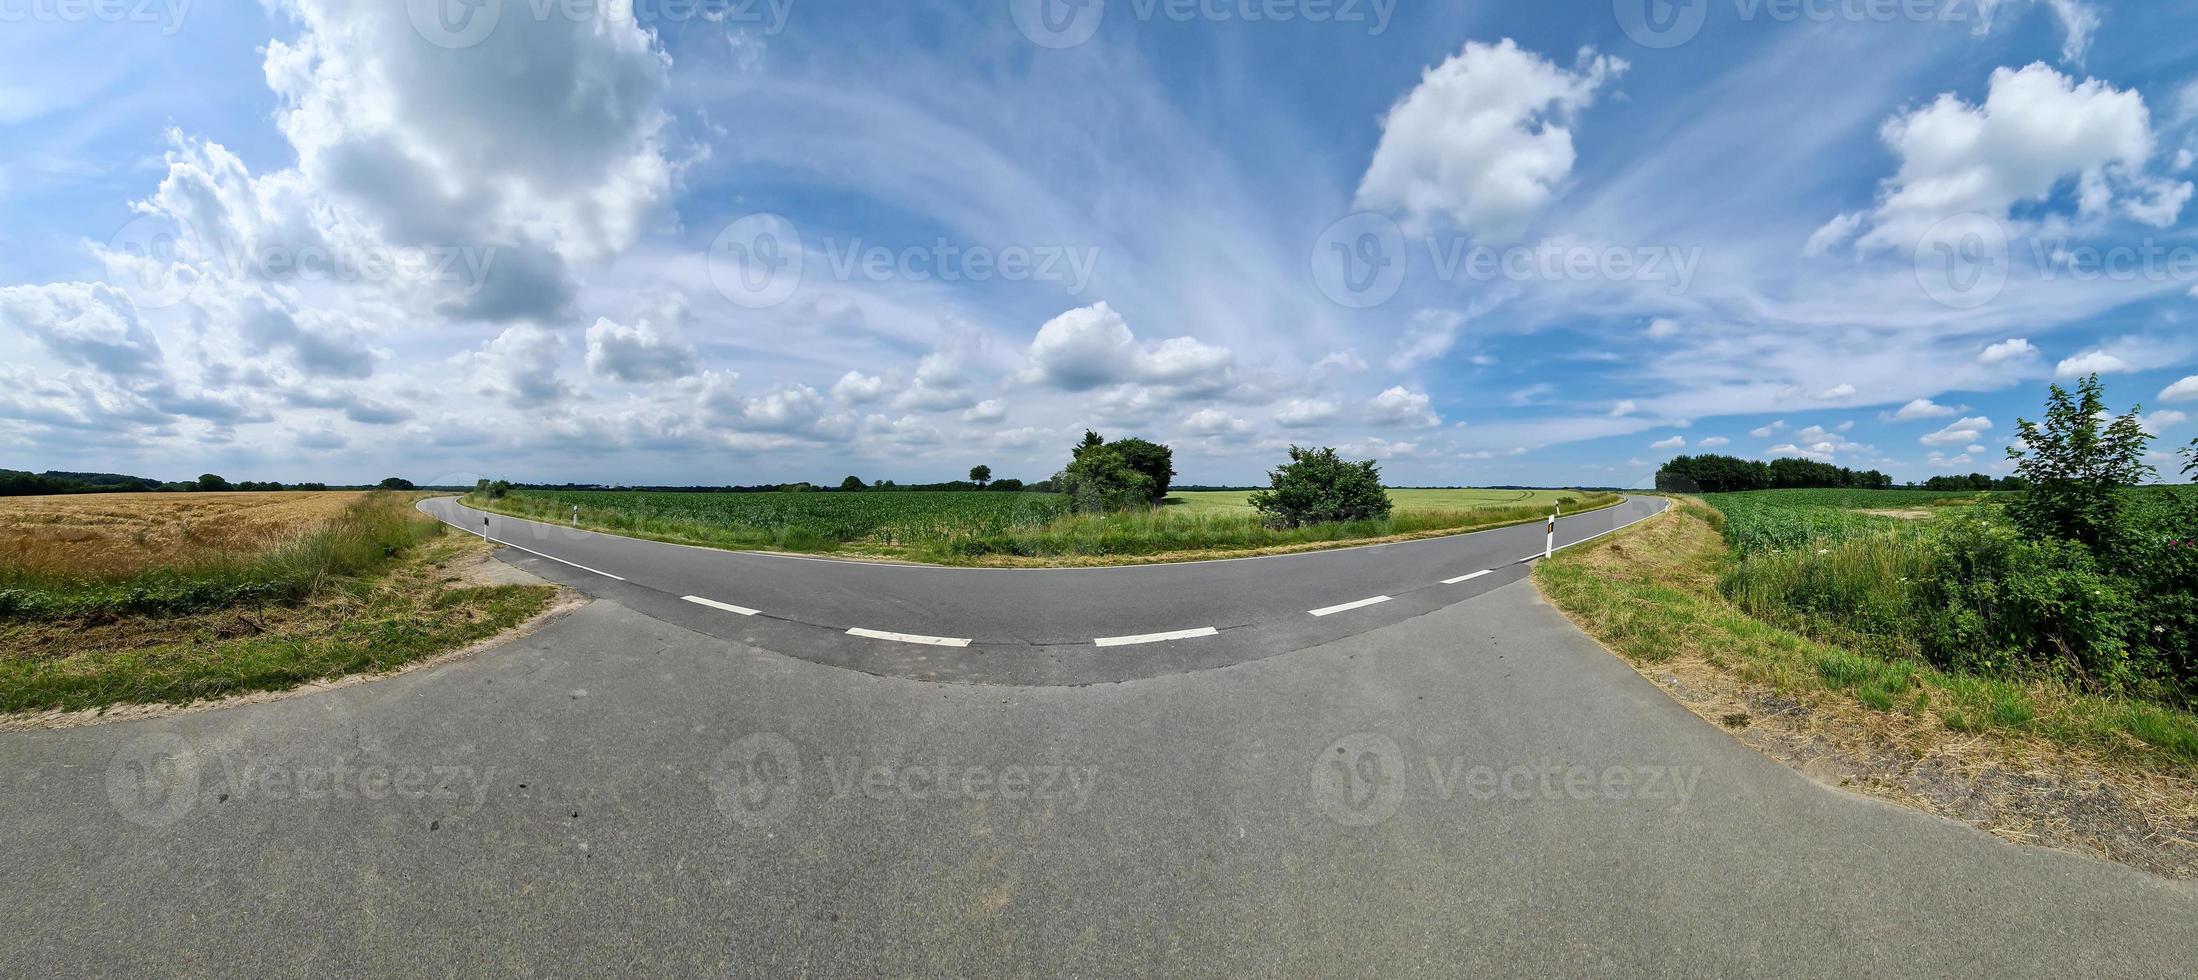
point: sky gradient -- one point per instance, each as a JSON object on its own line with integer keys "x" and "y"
{"x": 745, "y": 242}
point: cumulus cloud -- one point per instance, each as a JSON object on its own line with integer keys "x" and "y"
{"x": 1484, "y": 141}
{"x": 1959, "y": 433}
{"x": 2181, "y": 391}
{"x": 1624, "y": 408}
{"x": 1922, "y": 408}
{"x": 1663, "y": 329}
{"x": 1299, "y": 413}
{"x": 1769, "y": 430}
{"x": 1402, "y": 406}
{"x": 519, "y": 366}
{"x": 989, "y": 410}
{"x": 87, "y": 324}
{"x": 1093, "y": 347}
{"x": 1714, "y": 442}
{"x": 1675, "y": 442}
{"x": 653, "y": 349}
{"x": 1835, "y": 393}
{"x": 2037, "y": 130}
{"x": 2090, "y": 362}
{"x": 1215, "y": 422}
{"x": 2005, "y": 351}
{"x": 857, "y": 388}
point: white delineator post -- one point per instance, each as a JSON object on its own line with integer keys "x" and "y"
{"x": 576, "y": 515}
{"x": 484, "y": 528}
{"x": 1549, "y": 548}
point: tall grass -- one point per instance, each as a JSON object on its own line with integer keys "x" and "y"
{"x": 367, "y": 534}
{"x": 1160, "y": 531}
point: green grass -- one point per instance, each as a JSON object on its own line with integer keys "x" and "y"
{"x": 1653, "y": 594}
{"x": 1779, "y": 520}
{"x": 1238, "y": 502}
{"x": 1005, "y": 528}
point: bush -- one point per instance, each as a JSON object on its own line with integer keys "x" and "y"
{"x": 2078, "y": 469}
{"x": 1319, "y": 487}
{"x": 1108, "y": 476}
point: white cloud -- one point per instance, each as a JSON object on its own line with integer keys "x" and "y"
{"x": 1092, "y": 347}
{"x": 857, "y": 388}
{"x": 2091, "y": 362}
{"x": 2163, "y": 420}
{"x": 1342, "y": 361}
{"x": 2007, "y": 350}
{"x": 1623, "y": 408}
{"x": 1960, "y": 433}
{"x": 2035, "y": 130}
{"x": 653, "y": 349}
{"x": 1401, "y": 406}
{"x": 1663, "y": 329}
{"x": 989, "y": 410}
{"x": 1298, "y": 413}
{"x": 1922, "y": 408}
{"x": 2181, "y": 391}
{"x": 1835, "y": 393}
{"x": 2079, "y": 23}
{"x": 519, "y": 366}
{"x": 1484, "y": 139}
{"x": 1215, "y": 422}
{"x": 1675, "y": 442}
{"x": 1769, "y": 430}
{"x": 1430, "y": 335}
{"x": 1714, "y": 442}
{"x": 86, "y": 324}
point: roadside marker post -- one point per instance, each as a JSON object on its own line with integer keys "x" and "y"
{"x": 576, "y": 515}
{"x": 484, "y": 529}
{"x": 1549, "y": 547}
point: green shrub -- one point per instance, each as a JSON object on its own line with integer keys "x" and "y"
{"x": 1319, "y": 487}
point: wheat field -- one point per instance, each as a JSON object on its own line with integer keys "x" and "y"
{"x": 103, "y": 535}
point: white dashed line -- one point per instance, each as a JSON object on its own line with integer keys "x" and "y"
{"x": 1466, "y": 578}
{"x": 537, "y": 554}
{"x": 1130, "y": 641}
{"x": 735, "y": 610}
{"x": 929, "y": 641}
{"x": 1348, "y": 606}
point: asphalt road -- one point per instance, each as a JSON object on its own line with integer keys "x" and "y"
{"x": 1475, "y": 789}
{"x": 1033, "y": 627}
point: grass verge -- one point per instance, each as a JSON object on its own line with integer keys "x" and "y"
{"x": 403, "y": 609}
{"x": 1158, "y": 536}
{"x": 2005, "y": 755}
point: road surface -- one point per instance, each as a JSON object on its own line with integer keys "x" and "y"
{"x": 1450, "y": 788}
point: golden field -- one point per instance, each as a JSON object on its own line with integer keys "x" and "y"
{"x": 101, "y": 535}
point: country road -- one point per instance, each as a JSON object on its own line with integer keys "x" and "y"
{"x": 1452, "y": 782}
{"x": 1033, "y": 627}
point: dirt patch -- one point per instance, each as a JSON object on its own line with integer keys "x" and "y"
{"x": 119, "y": 533}
{"x": 1733, "y": 672}
{"x": 1905, "y": 515}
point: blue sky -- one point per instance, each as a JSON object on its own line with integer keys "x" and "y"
{"x": 1486, "y": 243}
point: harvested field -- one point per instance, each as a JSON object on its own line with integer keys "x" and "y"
{"x": 111, "y": 535}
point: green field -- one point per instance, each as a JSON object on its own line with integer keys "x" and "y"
{"x": 1237, "y": 502}
{"x": 1773, "y": 520}
{"x": 984, "y": 527}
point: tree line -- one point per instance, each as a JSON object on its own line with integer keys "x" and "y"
{"x": 1732, "y": 474}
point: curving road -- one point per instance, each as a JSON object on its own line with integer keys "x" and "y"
{"x": 1451, "y": 783}
{"x": 1030, "y": 627}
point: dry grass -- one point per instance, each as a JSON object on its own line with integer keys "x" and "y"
{"x": 113, "y": 535}
{"x": 2065, "y": 772}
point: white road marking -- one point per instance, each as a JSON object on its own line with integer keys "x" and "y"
{"x": 714, "y": 604}
{"x": 537, "y": 554}
{"x": 929, "y": 641}
{"x": 1130, "y": 641}
{"x": 1467, "y": 578}
{"x": 1348, "y": 606}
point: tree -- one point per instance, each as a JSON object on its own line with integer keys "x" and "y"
{"x": 1098, "y": 480}
{"x": 396, "y": 483}
{"x": 2190, "y": 452}
{"x": 980, "y": 475}
{"x": 1317, "y": 487}
{"x": 852, "y": 483}
{"x": 1155, "y": 461}
{"x": 499, "y": 490}
{"x": 211, "y": 483}
{"x": 1006, "y": 486}
{"x": 2079, "y": 468}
